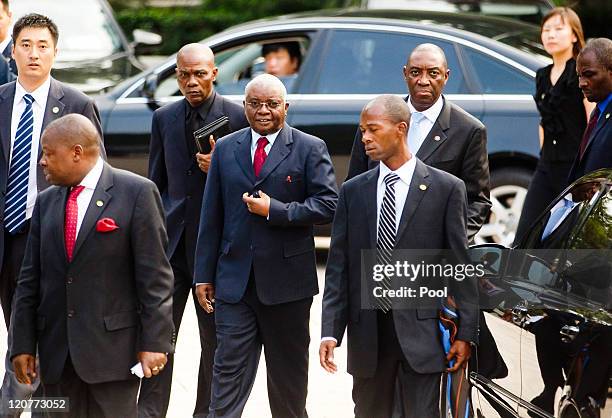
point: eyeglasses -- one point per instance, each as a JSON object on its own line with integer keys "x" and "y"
{"x": 271, "y": 104}
{"x": 186, "y": 75}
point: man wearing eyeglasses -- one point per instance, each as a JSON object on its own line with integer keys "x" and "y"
{"x": 255, "y": 258}
{"x": 179, "y": 172}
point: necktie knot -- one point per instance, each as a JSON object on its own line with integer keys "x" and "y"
{"x": 390, "y": 179}
{"x": 262, "y": 142}
{"x": 28, "y": 98}
{"x": 417, "y": 117}
{"x": 260, "y": 155}
{"x": 75, "y": 192}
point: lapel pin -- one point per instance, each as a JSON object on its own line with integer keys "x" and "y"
{"x": 423, "y": 187}
{"x": 288, "y": 179}
{"x": 99, "y": 203}
{"x": 55, "y": 109}
{"x": 437, "y": 138}
{"x": 607, "y": 116}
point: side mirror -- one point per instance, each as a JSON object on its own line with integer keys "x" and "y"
{"x": 148, "y": 90}
{"x": 143, "y": 37}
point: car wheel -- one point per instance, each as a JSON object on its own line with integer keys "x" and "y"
{"x": 508, "y": 191}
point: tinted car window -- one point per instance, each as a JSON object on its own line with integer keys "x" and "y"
{"x": 496, "y": 77}
{"x": 370, "y": 62}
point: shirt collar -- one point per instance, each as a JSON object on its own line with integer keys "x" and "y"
{"x": 405, "y": 172}
{"x": 604, "y": 103}
{"x": 430, "y": 113}
{"x": 40, "y": 94}
{"x": 90, "y": 181}
{"x": 270, "y": 137}
{"x": 202, "y": 108}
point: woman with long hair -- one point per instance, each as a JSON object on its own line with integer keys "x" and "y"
{"x": 563, "y": 110}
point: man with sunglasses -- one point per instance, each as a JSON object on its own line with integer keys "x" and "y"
{"x": 179, "y": 172}
{"x": 255, "y": 258}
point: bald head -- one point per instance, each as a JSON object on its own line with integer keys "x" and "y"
{"x": 196, "y": 72}
{"x": 195, "y": 51}
{"x": 269, "y": 83}
{"x": 71, "y": 147}
{"x": 430, "y": 49}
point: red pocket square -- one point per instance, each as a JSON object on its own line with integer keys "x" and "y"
{"x": 106, "y": 225}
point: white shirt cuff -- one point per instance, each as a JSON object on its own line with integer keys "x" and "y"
{"x": 329, "y": 339}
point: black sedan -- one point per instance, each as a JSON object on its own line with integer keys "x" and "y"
{"x": 351, "y": 56}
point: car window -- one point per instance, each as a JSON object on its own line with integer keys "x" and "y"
{"x": 496, "y": 77}
{"x": 86, "y": 30}
{"x": 371, "y": 62}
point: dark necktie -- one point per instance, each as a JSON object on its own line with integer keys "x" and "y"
{"x": 19, "y": 173}
{"x": 588, "y": 131}
{"x": 260, "y": 155}
{"x": 386, "y": 234}
{"x": 70, "y": 222}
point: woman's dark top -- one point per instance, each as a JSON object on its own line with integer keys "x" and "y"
{"x": 562, "y": 113}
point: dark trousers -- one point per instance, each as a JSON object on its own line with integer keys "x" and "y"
{"x": 14, "y": 250}
{"x": 242, "y": 329}
{"x": 548, "y": 181}
{"x": 374, "y": 396}
{"x": 155, "y": 393}
{"x": 86, "y": 400}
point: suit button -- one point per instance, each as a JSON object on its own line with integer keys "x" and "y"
{"x": 189, "y": 172}
{"x": 69, "y": 280}
{"x": 71, "y": 313}
{"x": 554, "y": 142}
{"x": 252, "y": 247}
{"x": 188, "y": 196}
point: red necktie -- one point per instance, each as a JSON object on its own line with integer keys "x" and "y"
{"x": 260, "y": 155}
{"x": 588, "y": 131}
{"x": 70, "y": 223}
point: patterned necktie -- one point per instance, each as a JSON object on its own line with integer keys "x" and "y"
{"x": 19, "y": 173}
{"x": 260, "y": 155}
{"x": 386, "y": 234}
{"x": 588, "y": 131}
{"x": 70, "y": 223}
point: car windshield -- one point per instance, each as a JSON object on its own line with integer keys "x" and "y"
{"x": 86, "y": 31}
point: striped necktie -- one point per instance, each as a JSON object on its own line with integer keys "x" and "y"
{"x": 386, "y": 234}
{"x": 17, "y": 184}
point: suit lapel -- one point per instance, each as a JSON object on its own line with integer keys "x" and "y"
{"x": 6, "y": 111}
{"x": 242, "y": 152}
{"x": 370, "y": 189}
{"x": 54, "y": 108}
{"x": 177, "y": 139}
{"x": 94, "y": 210}
{"x": 601, "y": 122}
{"x": 415, "y": 195}
{"x": 437, "y": 135}
{"x": 279, "y": 151}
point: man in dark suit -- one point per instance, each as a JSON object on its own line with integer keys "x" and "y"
{"x": 594, "y": 68}
{"x": 401, "y": 204}
{"x": 180, "y": 175}
{"x": 27, "y": 106}
{"x": 8, "y": 68}
{"x": 94, "y": 295}
{"x": 441, "y": 134}
{"x": 267, "y": 186}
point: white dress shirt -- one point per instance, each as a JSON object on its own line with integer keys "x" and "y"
{"x": 405, "y": 173}
{"x": 421, "y": 123}
{"x": 90, "y": 181}
{"x": 38, "y": 109}
{"x": 255, "y": 137}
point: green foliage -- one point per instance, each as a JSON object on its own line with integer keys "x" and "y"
{"x": 181, "y": 25}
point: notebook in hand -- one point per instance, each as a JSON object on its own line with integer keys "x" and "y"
{"x": 217, "y": 129}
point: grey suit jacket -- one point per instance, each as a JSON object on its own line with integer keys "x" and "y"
{"x": 64, "y": 100}
{"x": 433, "y": 218}
{"x": 113, "y": 300}
{"x": 457, "y": 144}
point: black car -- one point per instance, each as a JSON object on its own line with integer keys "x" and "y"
{"x": 350, "y": 57}
{"x": 548, "y": 307}
{"x": 93, "y": 52}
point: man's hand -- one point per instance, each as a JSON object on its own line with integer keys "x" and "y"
{"x": 152, "y": 363}
{"x": 460, "y": 351}
{"x": 204, "y": 159}
{"x": 206, "y": 296}
{"x": 326, "y": 356}
{"x": 259, "y": 206}
{"x": 25, "y": 368}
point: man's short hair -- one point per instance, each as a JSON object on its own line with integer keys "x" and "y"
{"x": 5, "y": 4}
{"x": 35, "y": 20}
{"x": 396, "y": 109}
{"x": 267, "y": 81}
{"x": 602, "y": 48}
{"x": 292, "y": 47}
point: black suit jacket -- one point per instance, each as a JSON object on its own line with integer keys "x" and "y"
{"x": 64, "y": 100}
{"x": 433, "y": 218}
{"x": 113, "y": 300}
{"x": 8, "y": 72}
{"x": 598, "y": 153}
{"x": 299, "y": 178}
{"x": 460, "y": 149}
{"x": 175, "y": 171}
